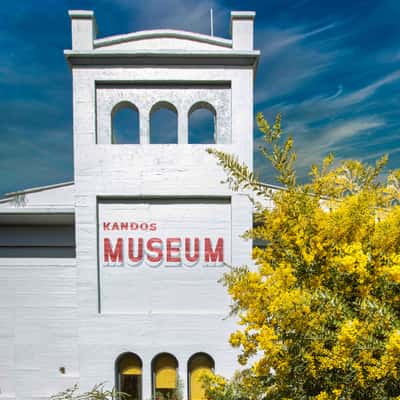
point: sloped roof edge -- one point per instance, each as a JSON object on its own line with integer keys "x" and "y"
{"x": 36, "y": 189}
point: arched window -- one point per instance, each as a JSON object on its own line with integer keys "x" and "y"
{"x": 128, "y": 369}
{"x": 198, "y": 365}
{"x": 163, "y": 123}
{"x": 165, "y": 376}
{"x": 202, "y": 118}
{"x": 125, "y": 124}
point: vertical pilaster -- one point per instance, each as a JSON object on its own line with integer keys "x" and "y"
{"x": 83, "y": 29}
{"x": 242, "y": 29}
{"x": 183, "y": 126}
{"x": 144, "y": 126}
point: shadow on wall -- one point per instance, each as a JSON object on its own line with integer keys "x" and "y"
{"x": 37, "y": 241}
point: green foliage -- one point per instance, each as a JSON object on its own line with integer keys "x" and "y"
{"x": 319, "y": 316}
{"x": 239, "y": 175}
{"x": 98, "y": 392}
{"x": 281, "y": 156}
{"x": 236, "y": 388}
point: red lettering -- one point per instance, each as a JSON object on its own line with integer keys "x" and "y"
{"x": 157, "y": 257}
{"x": 153, "y": 226}
{"x": 131, "y": 255}
{"x": 152, "y": 250}
{"x": 211, "y": 255}
{"x": 144, "y": 226}
{"x": 113, "y": 256}
{"x": 115, "y": 226}
{"x": 173, "y": 249}
{"x": 106, "y": 226}
{"x": 124, "y": 226}
{"x": 196, "y": 254}
{"x": 134, "y": 226}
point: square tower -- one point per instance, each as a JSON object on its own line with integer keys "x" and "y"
{"x": 155, "y": 228}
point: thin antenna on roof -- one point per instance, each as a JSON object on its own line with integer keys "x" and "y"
{"x": 212, "y": 21}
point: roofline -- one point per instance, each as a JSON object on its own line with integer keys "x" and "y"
{"x": 37, "y": 210}
{"x": 275, "y": 187}
{"x": 163, "y": 57}
{"x": 162, "y": 33}
{"x": 36, "y": 189}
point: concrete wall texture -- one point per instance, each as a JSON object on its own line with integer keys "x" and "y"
{"x": 77, "y": 312}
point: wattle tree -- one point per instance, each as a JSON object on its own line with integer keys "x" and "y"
{"x": 319, "y": 315}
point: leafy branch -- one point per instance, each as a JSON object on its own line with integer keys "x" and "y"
{"x": 98, "y": 392}
{"x": 281, "y": 155}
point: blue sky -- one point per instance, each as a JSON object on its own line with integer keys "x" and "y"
{"x": 331, "y": 67}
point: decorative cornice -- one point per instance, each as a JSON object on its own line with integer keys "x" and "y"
{"x": 243, "y": 15}
{"x": 162, "y": 33}
{"x": 152, "y": 57}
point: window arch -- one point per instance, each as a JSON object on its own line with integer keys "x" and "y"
{"x": 128, "y": 371}
{"x": 164, "y": 375}
{"x": 163, "y": 123}
{"x": 198, "y": 364}
{"x": 125, "y": 124}
{"x": 202, "y": 121}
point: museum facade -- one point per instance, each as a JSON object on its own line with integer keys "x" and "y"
{"x": 114, "y": 277}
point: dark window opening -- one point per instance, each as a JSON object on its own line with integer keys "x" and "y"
{"x": 131, "y": 385}
{"x": 163, "y": 124}
{"x": 125, "y": 124}
{"x": 202, "y": 118}
{"x": 129, "y": 375}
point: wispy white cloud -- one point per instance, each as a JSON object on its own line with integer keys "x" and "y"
{"x": 328, "y": 106}
{"x": 338, "y": 93}
{"x": 291, "y": 58}
{"x": 327, "y": 123}
{"x": 367, "y": 91}
{"x": 282, "y": 38}
{"x": 333, "y": 138}
{"x": 348, "y": 129}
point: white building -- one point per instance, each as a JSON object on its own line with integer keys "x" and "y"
{"x": 113, "y": 277}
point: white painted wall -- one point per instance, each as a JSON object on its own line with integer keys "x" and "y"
{"x": 183, "y": 99}
{"x": 164, "y": 171}
{"x": 171, "y": 287}
{"x": 38, "y": 327}
{"x": 156, "y": 43}
{"x": 50, "y": 197}
{"x": 49, "y": 309}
